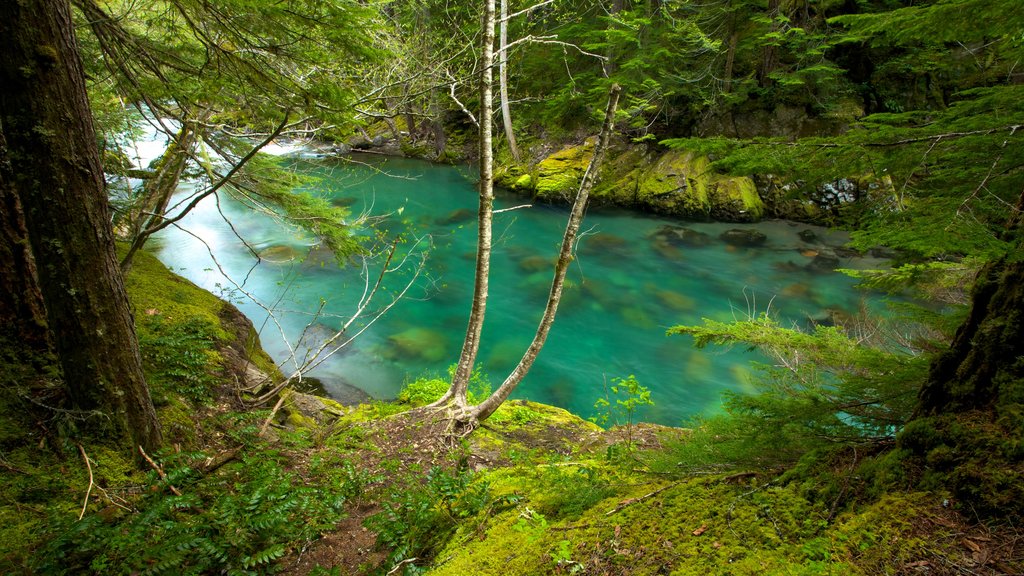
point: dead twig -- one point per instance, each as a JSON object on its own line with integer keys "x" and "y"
{"x": 88, "y": 490}
{"x": 159, "y": 471}
{"x": 400, "y": 565}
{"x": 273, "y": 412}
{"x": 629, "y": 502}
{"x": 214, "y": 462}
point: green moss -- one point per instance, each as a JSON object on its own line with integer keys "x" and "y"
{"x": 559, "y": 175}
{"x": 736, "y": 198}
{"x": 524, "y": 182}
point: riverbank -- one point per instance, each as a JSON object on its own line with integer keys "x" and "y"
{"x": 678, "y": 181}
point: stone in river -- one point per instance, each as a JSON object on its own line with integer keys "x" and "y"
{"x": 743, "y": 237}
{"x": 279, "y": 254}
{"x": 824, "y": 262}
{"x": 604, "y": 243}
{"x": 457, "y": 217}
{"x": 419, "y": 342}
{"x": 536, "y": 263}
{"x": 680, "y": 236}
{"x": 808, "y": 235}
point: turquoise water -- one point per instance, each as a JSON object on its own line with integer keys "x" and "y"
{"x": 627, "y": 286}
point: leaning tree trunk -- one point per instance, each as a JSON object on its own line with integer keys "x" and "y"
{"x": 55, "y": 173}
{"x": 565, "y": 256}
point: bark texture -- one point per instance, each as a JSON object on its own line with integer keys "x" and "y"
{"x": 984, "y": 366}
{"x": 55, "y": 173}
{"x": 471, "y": 343}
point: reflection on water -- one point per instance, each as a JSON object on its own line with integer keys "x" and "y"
{"x": 634, "y": 277}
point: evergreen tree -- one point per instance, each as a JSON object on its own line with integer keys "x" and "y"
{"x": 56, "y": 204}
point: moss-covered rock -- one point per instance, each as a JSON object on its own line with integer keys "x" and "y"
{"x": 674, "y": 182}
{"x": 559, "y": 175}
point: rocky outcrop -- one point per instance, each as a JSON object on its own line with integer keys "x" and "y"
{"x": 684, "y": 184}
{"x": 674, "y": 182}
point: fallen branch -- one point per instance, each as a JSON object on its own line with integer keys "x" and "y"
{"x": 88, "y": 490}
{"x": 400, "y": 565}
{"x": 629, "y": 502}
{"x": 214, "y": 462}
{"x": 159, "y": 471}
{"x": 266, "y": 423}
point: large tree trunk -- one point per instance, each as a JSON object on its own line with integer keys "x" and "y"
{"x": 55, "y": 173}
{"x": 22, "y": 314}
{"x": 984, "y": 366}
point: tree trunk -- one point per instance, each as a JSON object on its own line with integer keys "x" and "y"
{"x": 565, "y": 257}
{"x": 769, "y": 52}
{"x": 506, "y": 112}
{"x": 55, "y": 173}
{"x": 22, "y": 314}
{"x": 983, "y": 370}
{"x": 156, "y": 192}
{"x": 471, "y": 343}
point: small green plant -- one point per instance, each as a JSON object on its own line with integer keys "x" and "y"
{"x": 425, "y": 390}
{"x": 628, "y": 395}
{"x": 179, "y": 356}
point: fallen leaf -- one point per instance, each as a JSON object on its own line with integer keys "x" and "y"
{"x": 703, "y": 528}
{"x": 716, "y": 544}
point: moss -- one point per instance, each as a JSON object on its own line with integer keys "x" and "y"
{"x": 559, "y": 175}
{"x": 524, "y": 182}
{"x": 155, "y": 291}
{"x": 736, "y": 199}
{"x": 696, "y": 527}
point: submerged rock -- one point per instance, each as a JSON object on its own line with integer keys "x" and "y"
{"x": 279, "y": 254}
{"x": 824, "y": 262}
{"x": 457, "y": 217}
{"x": 418, "y": 342}
{"x": 603, "y": 243}
{"x": 680, "y": 236}
{"x": 535, "y": 263}
{"x": 743, "y": 237}
{"x": 808, "y": 235}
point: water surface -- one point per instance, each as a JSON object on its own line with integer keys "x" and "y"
{"x": 631, "y": 281}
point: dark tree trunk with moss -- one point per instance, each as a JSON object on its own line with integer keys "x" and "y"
{"x": 984, "y": 367}
{"x": 969, "y": 427}
{"x": 51, "y": 167}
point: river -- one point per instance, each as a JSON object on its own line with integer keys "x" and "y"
{"x": 633, "y": 278}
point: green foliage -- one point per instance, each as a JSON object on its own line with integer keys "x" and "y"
{"x": 830, "y": 386}
{"x": 179, "y": 357}
{"x": 237, "y": 522}
{"x": 572, "y": 490}
{"x": 628, "y": 396}
{"x": 425, "y": 390}
{"x": 415, "y": 521}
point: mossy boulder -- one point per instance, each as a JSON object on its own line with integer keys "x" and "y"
{"x": 674, "y": 182}
{"x": 559, "y": 175}
{"x": 735, "y": 199}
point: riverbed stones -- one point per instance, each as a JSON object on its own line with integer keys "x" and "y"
{"x": 743, "y": 237}
{"x": 419, "y": 343}
{"x": 279, "y": 254}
